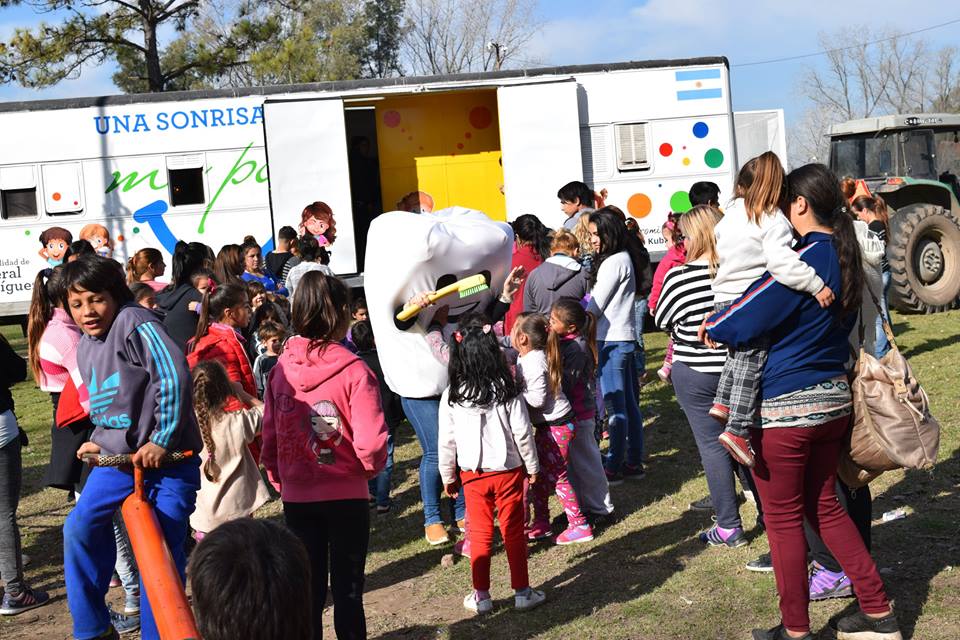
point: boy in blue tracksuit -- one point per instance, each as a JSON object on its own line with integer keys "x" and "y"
{"x": 138, "y": 387}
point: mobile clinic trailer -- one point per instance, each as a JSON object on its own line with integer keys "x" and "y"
{"x": 138, "y": 171}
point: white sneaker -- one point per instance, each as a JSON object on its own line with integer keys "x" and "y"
{"x": 472, "y": 603}
{"x": 531, "y": 599}
{"x": 749, "y": 497}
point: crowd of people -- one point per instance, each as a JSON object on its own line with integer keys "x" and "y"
{"x": 266, "y": 367}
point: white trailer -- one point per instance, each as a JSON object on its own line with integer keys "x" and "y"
{"x": 157, "y": 168}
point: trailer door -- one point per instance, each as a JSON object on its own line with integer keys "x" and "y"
{"x": 307, "y": 161}
{"x": 540, "y": 143}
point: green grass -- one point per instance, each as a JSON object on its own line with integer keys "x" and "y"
{"x": 646, "y": 576}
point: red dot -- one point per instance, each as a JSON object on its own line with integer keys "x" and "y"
{"x": 684, "y": 147}
{"x": 75, "y": 203}
{"x": 402, "y": 130}
{"x": 459, "y": 145}
{"x": 468, "y": 135}
{"x": 391, "y": 118}
{"x": 666, "y": 149}
{"x": 56, "y": 196}
{"x": 480, "y": 117}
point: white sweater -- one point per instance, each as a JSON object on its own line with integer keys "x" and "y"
{"x": 544, "y": 406}
{"x": 497, "y": 438}
{"x": 612, "y": 299}
{"x": 748, "y": 250}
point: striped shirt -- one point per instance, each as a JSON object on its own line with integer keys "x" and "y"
{"x": 685, "y": 300}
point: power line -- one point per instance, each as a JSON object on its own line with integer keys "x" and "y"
{"x": 854, "y": 46}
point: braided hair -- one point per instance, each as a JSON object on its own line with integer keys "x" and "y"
{"x": 211, "y": 390}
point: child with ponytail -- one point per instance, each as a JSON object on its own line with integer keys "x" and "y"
{"x": 230, "y": 485}
{"x": 554, "y": 428}
{"x": 146, "y": 266}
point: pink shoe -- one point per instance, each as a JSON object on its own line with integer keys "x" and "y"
{"x": 664, "y": 373}
{"x": 462, "y": 548}
{"x": 539, "y": 531}
{"x": 573, "y": 535}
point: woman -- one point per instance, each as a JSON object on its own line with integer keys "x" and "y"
{"x": 253, "y": 266}
{"x": 146, "y": 266}
{"x": 685, "y": 300}
{"x": 229, "y": 265}
{"x": 873, "y": 211}
{"x": 531, "y": 248}
{"x": 615, "y": 283}
{"x": 805, "y": 409}
{"x": 180, "y": 320}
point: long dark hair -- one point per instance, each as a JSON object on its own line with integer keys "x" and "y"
{"x": 572, "y": 314}
{"x": 48, "y": 294}
{"x": 214, "y": 304}
{"x": 821, "y": 189}
{"x": 321, "y": 308}
{"x": 188, "y": 259}
{"x": 614, "y": 238}
{"x": 479, "y": 373}
{"x": 529, "y": 230}
{"x": 536, "y": 327}
{"x": 228, "y": 266}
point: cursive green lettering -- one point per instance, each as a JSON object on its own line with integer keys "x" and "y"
{"x": 133, "y": 179}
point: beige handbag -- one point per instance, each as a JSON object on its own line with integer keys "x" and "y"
{"x": 892, "y": 425}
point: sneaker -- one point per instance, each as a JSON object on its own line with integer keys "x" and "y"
{"x": 573, "y": 535}
{"x": 472, "y": 602}
{"x": 462, "y": 548}
{"x": 716, "y": 537}
{"x": 739, "y": 447}
{"x": 115, "y": 581}
{"x": 613, "y": 477}
{"x": 749, "y": 497}
{"x": 539, "y": 531}
{"x": 383, "y": 509}
{"x": 720, "y": 413}
{"x": 124, "y": 624}
{"x": 826, "y": 584}
{"x": 703, "y": 504}
{"x": 631, "y": 472}
{"x": 778, "y": 633}
{"x": 131, "y": 605}
{"x": 28, "y": 599}
{"x": 436, "y": 534}
{"x": 528, "y": 599}
{"x": 860, "y": 626}
{"x": 664, "y": 373}
{"x": 763, "y": 564}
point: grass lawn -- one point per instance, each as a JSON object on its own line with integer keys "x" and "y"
{"x": 646, "y": 576}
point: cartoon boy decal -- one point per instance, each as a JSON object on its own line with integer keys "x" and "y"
{"x": 55, "y": 241}
{"x": 326, "y": 431}
{"x": 317, "y": 220}
{"x": 98, "y": 236}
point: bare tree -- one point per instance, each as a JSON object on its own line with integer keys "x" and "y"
{"x": 945, "y": 81}
{"x": 452, "y": 36}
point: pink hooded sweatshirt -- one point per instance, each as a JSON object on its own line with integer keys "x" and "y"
{"x": 324, "y": 433}
{"x": 675, "y": 257}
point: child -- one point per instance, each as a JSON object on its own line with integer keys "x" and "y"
{"x": 223, "y": 315}
{"x": 278, "y": 257}
{"x": 676, "y": 255}
{"x": 271, "y": 336}
{"x": 705, "y": 193}
{"x": 231, "y": 486}
{"x": 144, "y": 295}
{"x": 324, "y": 437}
{"x": 485, "y": 431}
{"x": 358, "y": 313}
{"x": 146, "y": 266}
{"x": 141, "y": 403}
{"x": 202, "y": 280}
{"x": 392, "y": 411}
{"x": 257, "y": 293}
{"x": 753, "y": 237}
{"x": 552, "y": 418}
{"x": 266, "y": 568}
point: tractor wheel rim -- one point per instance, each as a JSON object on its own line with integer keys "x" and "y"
{"x": 930, "y": 261}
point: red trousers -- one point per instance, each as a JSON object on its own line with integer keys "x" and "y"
{"x": 483, "y": 492}
{"x": 796, "y": 474}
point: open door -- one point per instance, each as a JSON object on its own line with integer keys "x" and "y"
{"x": 307, "y": 161}
{"x": 540, "y": 141}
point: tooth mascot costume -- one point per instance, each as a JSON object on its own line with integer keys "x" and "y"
{"x": 408, "y": 254}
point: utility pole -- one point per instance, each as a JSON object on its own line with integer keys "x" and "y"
{"x": 499, "y": 54}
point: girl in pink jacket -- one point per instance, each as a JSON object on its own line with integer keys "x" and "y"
{"x": 676, "y": 256}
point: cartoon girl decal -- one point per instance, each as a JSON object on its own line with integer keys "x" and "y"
{"x": 55, "y": 241}
{"x": 98, "y": 236}
{"x": 327, "y": 431}
{"x": 317, "y": 220}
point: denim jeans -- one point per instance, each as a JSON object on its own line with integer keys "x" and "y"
{"x": 424, "y": 415}
{"x": 883, "y": 345}
{"x": 639, "y": 355}
{"x": 11, "y": 477}
{"x": 380, "y": 486}
{"x": 618, "y": 380}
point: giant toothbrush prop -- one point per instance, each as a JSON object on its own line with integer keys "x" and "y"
{"x": 411, "y": 253}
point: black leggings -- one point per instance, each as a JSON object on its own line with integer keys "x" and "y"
{"x": 336, "y": 534}
{"x": 859, "y": 506}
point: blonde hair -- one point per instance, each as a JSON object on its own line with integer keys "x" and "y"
{"x": 761, "y": 185}
{"x": 697, "y": 226}
{"x": 582, "y": 232}
{"x": 564, "y": 242}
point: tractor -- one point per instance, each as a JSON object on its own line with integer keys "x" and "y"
{"x": 913, "y": 163}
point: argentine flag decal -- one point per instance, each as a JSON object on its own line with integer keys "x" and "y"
{"x": 699, "y": 84}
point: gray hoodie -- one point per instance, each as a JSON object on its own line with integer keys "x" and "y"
{"x": 560, "y": 276}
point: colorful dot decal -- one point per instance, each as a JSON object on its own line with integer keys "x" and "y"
{"x": 680, "y": 202}
{"x": 480, "y": 118}
{"x": 459, "y": 145}
{"x": 468, "y": 135}
{"x": 136, "y": 229}
{"x": 639, "y": 205}
{"x": 120, "y": 238}
{"x": 391, "y": 118}
{"x": 26, "y": 232}
{"x": 75, "y": 203}
{"x": 701, "y": 129}
{"x": 713, "y": 158}
{"x": 686, "y": 162}
{"x": 56, "y": 196}
{"x": 666, "y": 149}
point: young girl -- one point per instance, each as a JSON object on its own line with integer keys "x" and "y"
{"x": 485, "y": 431}
{"x": 873, "y": 211}
{"x": 753, "y": 237}
{"x": 141, "y": 404}
{"x": 676, "y": 255}
{"x": 231, "y": 486}
{"x": 146, "y": 266}
{"x": 553, "y": 421}
{"x": 324, "y": 437}
{"x": 144, "y": 295}
{"x": 573, "y": 342}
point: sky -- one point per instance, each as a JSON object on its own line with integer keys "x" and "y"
{"x": 577, "y": 32}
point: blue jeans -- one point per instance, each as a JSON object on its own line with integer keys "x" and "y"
{"x": 380, "y": 486}
{"x": 618, "y": 380}
{"x": 883, "y": 345}
{"x": 639, "y": 355}
{"x": 424, "y": 415}
{"x": 89, "y": 548}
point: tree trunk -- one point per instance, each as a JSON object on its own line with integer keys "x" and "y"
{"x": 155, "y": 79}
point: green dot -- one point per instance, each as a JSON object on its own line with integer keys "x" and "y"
{"x": 680, "y": 202}
{"x": 713, "y": 158}
{"x": 27, "y": 232}
{"x": 136, "y": 229}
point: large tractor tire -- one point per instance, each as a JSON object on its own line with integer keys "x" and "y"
{"x": 924, "y": 254}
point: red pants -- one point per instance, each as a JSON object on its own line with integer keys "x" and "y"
{"x": 483, "y": 492}
{"x": 796, "y": 473}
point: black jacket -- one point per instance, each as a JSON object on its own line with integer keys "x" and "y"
{"x": 179, "y": 321}
{"x": 13, "y": 369}
{"x": 392, "y": 411}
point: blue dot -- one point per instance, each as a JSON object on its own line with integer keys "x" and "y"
{"x": 659, "y": 185}
{"x": 701, "y": 130}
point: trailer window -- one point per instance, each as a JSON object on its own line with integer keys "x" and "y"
{"x": 186, "y": 186}
{"x": 632, "y": 147}
{"x": 18, "y": 203}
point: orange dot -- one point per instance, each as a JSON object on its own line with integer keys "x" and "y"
{"x": 56, "y": 196}
{"x": 468, "y": 135}
{"x": 459, "y": 145}
{"x": 120, "y": 238}
{"x": 639, "y": 205}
